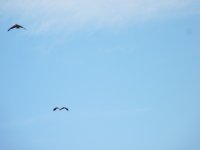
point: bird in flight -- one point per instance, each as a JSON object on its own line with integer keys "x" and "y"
{"x": 60, "y": 108}
{"x": 16, "y": 26}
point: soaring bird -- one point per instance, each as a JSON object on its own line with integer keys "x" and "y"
{"x": 60, "y": 108}
{"x": 16, "y": 26}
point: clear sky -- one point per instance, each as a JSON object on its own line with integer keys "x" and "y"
{"x": 128, "y": 70}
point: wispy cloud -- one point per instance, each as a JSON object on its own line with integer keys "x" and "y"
{"x": 75, "y": 14}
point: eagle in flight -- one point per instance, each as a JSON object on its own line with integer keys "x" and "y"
{"x": 17, "y": 27}
{"x": 60, "y": 108}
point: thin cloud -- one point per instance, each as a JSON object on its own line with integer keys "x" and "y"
{"x": 75, "y": 14}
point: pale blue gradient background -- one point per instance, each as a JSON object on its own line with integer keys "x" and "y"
{"x": 136, "y": 87}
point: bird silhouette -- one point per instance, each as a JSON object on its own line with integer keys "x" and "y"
{"x": 17, "y": 27}
{"x": 60, "y": 108}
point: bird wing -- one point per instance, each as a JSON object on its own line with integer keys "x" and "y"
{"x": 55, "y": 108}
{"x": 12, "y": 27}
{"x": 21, "y": 27}
{"x": 64, "y": 108}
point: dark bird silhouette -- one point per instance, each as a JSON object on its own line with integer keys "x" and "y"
{"x": 16, "y": 26}
{"x": 60, "y": 108}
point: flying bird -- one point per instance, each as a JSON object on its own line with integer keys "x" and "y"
{"x": 60, "y": 108}
{"x": 17, "y": 27}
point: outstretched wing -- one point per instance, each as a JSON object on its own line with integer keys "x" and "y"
{"x": 14, "y": 26}
{"x": 64, "y": 108}
{"x": 19, "y": 26}
{"x": 55, "y": 108}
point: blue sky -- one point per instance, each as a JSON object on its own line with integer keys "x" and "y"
{"x": 127, "y": 70}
